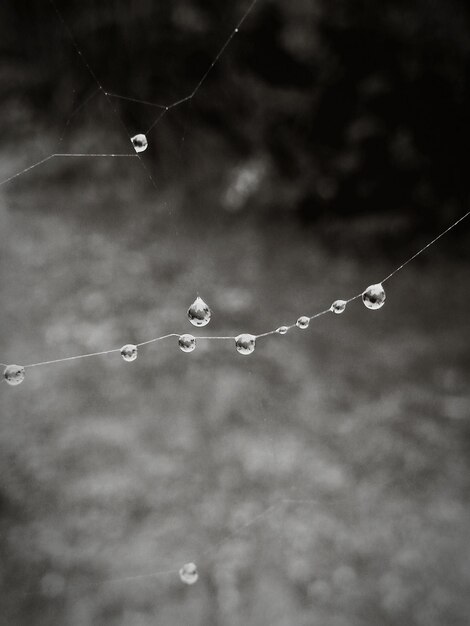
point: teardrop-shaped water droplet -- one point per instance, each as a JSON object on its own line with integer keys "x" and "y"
{"x": 374, "y": 296}
{"x": 303, "y": 322}
{"x": 139, "y": 142}
{"x": 188, "y": 573}
{"x": 199, "y": 314}
{"x": 338, "y": 306}
{"x": 245, "y": 343}
{"x": 282, "y": 330}
{"x": 129, "y": 352}
{"x": 14, "y": 374}
{"x": 187, "y": 343}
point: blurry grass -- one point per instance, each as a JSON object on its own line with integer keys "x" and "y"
{"x": 113, "y": 470}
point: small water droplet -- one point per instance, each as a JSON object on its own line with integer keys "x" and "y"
{"x": 282, "y": 330}
{"x": 199, "y": 314}
{"x": 374, "y": 296}
{"x": 129, "y": 352}
{"x": 139, "y": 142}
{"x": 14, "y": 374}
{"x": 245, "y": 343}
{"x": 303, "y": 322}
{"x": 188, "y": 573}
{"x": 338, "y": 306}
{"x": 187, "y": 343}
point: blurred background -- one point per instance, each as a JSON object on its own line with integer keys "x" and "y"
{"x": 323, "y": 480}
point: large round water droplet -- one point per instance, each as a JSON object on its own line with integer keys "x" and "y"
{"x": 129, "y": 352}
{"x": 188, "y": 573}
{"x": 199, "y": 314}
{"x": 187, "y": 343}
{"x": 338, "y": 306}
{"x": 245, "y": 343}
{"x": 139, "y": 142}
{"x": 303, "y": 322}
{"x": 14, "y": 374}
{"x": 282, "y": 330}
{"x": 374, "y": 296}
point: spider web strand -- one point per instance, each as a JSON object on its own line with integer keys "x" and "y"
{"x": 211, "y": 66}
{"x": 75, "y": 45}
{"x": 72, "y": 358}
{"x": 428, "y": 245}
{"x": 129, "y": 99}
{"x": 77, "y": 110}
{"x": 63, "y": 155}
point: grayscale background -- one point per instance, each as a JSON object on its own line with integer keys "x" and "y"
{"x": 323, "y": 480}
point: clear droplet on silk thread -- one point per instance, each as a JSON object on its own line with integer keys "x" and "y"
{"x": 303, "y": 322}
{"x": 374, "y": 296}
{"x": 129, "y": 352}
{"x": 139, "y": 142}
{"x": 338, "y": 306}
{"x": 199, "y": 314}
{"x": 187, "y": 343}
{"x": 245, "y": 343}
{"x": 189, "y": 574}
{"x": 14, "y": 374}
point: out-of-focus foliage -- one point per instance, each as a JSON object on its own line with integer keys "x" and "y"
{"x": 325, "y": 478}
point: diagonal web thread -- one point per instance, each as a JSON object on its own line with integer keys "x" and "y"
{"x": 281, "y": 330}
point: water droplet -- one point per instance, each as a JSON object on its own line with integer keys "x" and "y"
{"x": 139, "y": 142}
{"x": 199, "y": 314}
{"x": 303, "y": 322}
{"x": 188, "y": 573}
{"x": 129, "y": 352}
{"x": 374, "y": 296}
{"x": 245, "y": 343}
{"x": 282, "y": 330}
{"x": 14, "y": 374}
{"x": 338, "y": 306}
{"x": 187, "y": 343}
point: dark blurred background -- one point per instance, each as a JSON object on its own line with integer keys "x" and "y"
{"x": 324, "y": 480}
